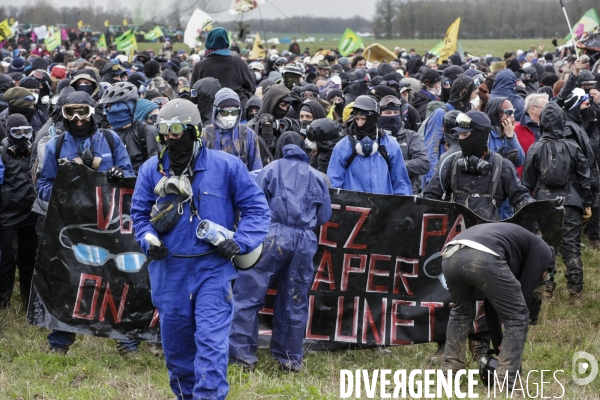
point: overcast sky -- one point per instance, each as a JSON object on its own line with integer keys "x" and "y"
{"x": 320, "y": 8}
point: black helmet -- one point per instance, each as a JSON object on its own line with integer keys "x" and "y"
{"x": 366, "y": 103}
{"x": 323, "y": 129}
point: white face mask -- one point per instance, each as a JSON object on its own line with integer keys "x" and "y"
{"x": 309, "y": 144}
{"x": 258, "y": 75}
{"x": 475, "y": 103}
{"x": 36, "y": 96}
{"x": 227, "y": 122}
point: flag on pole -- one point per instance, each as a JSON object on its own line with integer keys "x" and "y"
{"x": 258, "y": 50}
{"x": 450, "y": 41}
{"x": 102, "y": 43}
{"x": 4, "y": 29}
{"x": 106, "y": 23}
{"x": 53, "y": 39}
{"x": 126, "y": 42}
{"x": 349, "y": 42}
{"x": 154, "y": 34}
{"x": 197, "y": 23}
{"x": 80, "y": 24}
{"x": 125, "y": 23}
{"x": 586, "y": 23}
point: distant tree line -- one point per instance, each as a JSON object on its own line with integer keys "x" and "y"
{"x": 480, "y": 19}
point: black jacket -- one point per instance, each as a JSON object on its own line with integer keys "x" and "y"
{"x": 509, "y": 187}
{"x": 206, "y": 88}
{"x": 414, "y": 154}
{"x": 16, "y": 192}
{"x": 420, "y": 101}
{"x": 132, "y": 139}
{"x": 578, "y": 191}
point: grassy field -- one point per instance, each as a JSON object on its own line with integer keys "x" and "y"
{"x": 497, "y": 47}
{"x": 94, "y": 370}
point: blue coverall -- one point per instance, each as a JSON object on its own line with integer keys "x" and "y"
{"x": 370, "y": 174}
{"x": 229, "y": 142}
{"x": 299, "y": 201}
{"x": 72, "y": 147}
{"x": 193, "y": 295}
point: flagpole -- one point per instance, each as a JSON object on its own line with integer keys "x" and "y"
{"x": 570, "y": 29}
{"x": 263, "y": 25}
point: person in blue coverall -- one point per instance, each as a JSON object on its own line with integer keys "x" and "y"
{"x": 463, "y": 90}
{"x": 299, "y": 201}
{"x": 191, "y": 283}
{"x": 228, "y": 135}
{"x": 368, "y": 160}
{"x": 84, "y": 143}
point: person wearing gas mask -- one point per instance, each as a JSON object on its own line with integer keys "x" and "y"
{"x": 291, "y": 245}
{"x": 18, "y": 240}
{"x": 272, "y": 119}
{"x": 411, "y": 143}
{"x": 368, "y": 160}
{"x": 190, "y": 278}
{"x": 21, "y": 101}
{"x": 506, "y": 263}
{"x": 82, "y": 143}
{"x": 228, "y": 135}
{"x": 464, "y": 89}
{"x": 430, "y": 91}
{"x": 566, "y": 175}
{"x": 482, "y": 179}
{"x": 119, "y": 103}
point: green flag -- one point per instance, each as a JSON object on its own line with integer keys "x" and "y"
{"x": 586, "y": 23}
{"x": 349, "y": 42}
{"x": 154, "y": 33}
{"x": 126, "y": 42}
{"x": 102, "y": 43}
{"x": 52, "y": 40}
{"x": 437, "y": 49}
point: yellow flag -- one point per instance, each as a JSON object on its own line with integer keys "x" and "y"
{"x": 80, "y": 24}
{"x": 450, "y": 41}
{"x": 258, "y": 50}
{"x": 11, "y": 21}
{"x": 4, "y": 30}
{"x": 106, "y": 23}
{"x": 125, "y": 23}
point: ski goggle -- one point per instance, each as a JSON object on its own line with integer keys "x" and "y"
{"x": 97, "y": 256}
{"x": 81, "y": 111}
{"x": 233, "y": 112}
{"x": 337, "y": 100}
{"x": 392, "y": 84}
{"x": 39, "y": 75}
{"x": 385, "y": 100}
{"x": 153, "y": 118}
{"x": 21, "y": 131}
{"x": 161, "y": 101}
{"x": 174, "y": 126}
{"x": 509, "y": 111}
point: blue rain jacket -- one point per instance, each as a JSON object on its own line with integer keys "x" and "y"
{"x": 505, "y": 86}
{"x": 434, "y": 139}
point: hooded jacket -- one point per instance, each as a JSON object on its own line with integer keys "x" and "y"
{"x": 496, "y": 142}
{"x": 414, "y": 155}
{"x": 577, "y": 192}
{"x": 316, "y": 109}
{"x": 90, "y": 76}
{"x": 206, "y": 88}
{"x": 420, "y": 100}
{"x": 132, "y": 139}
{"x": 532, "y": 85}
{"x": 6, "y": 83}
{"x": 505, "y": 86}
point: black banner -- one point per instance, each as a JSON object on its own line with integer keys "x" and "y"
{"x": 377, "y": 270}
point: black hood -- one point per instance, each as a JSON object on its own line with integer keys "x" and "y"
{"x": 492, "y": 109}
{"x": 6, "y": 83}
{"x": 460, "y": 93}
{"x": 57, "y": 111}
{"x": 456, "y": 60}
{"x": 413, "y": 65}
{"x": 207, "y": 88}
{"x": 552, "y": 122}
{"x": 254, "y": 101}
{"x": 316, "y": 109}
{"x": 452, "y": 72}
{"x": 384, "y": 69}
{"x": 288, "y": 138}
{"x": 272, "y": 97}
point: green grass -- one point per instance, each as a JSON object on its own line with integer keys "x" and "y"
{"x": 94, "y": 370}
{"x": 497, "y": 47}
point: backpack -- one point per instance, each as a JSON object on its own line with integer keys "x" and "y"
{"x": 555, "y": 163}
{"x": 242, "y": 150}
{"x": 380, "y": 149}
{"x": 60, "y": 139}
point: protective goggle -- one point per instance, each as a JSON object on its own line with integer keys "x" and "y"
{"x": 81, "y": 111}
{"x": 21, "y": 131}
{"x": 447, "y": 82}
{"x": 464, "y": 121}
{"x": 526, "y": 76}
{"x": 389, "y": 99}
{"x": 174, "y": 126}
{"x": 337, "y": 100}
{"x": 153, "y": 118}
{"x": 588, "y": 83}
{"x": 233, "y": 112}
{"x": 37, "y": 75}
{"x": 509, "y": 111}
{"x": 392, "y": 83}
{"x": 161, "y": 101}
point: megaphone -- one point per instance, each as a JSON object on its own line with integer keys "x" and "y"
{"x": 214, "y": 234}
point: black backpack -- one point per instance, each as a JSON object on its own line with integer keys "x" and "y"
{"x": 555, "y": 163}
{"x": 242, "y": 150}
{"x": 60, "y": 139}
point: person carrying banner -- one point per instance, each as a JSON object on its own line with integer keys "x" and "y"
{"x": 18, "y": 241}
{"x": 368, "y": 159}
{"x": 506, "y": 263}
{"x": 83, "y": 143}
{"x": 477, "y": 177}
{"x": 191, "y": 278}
{"x": 299, "y": 201}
